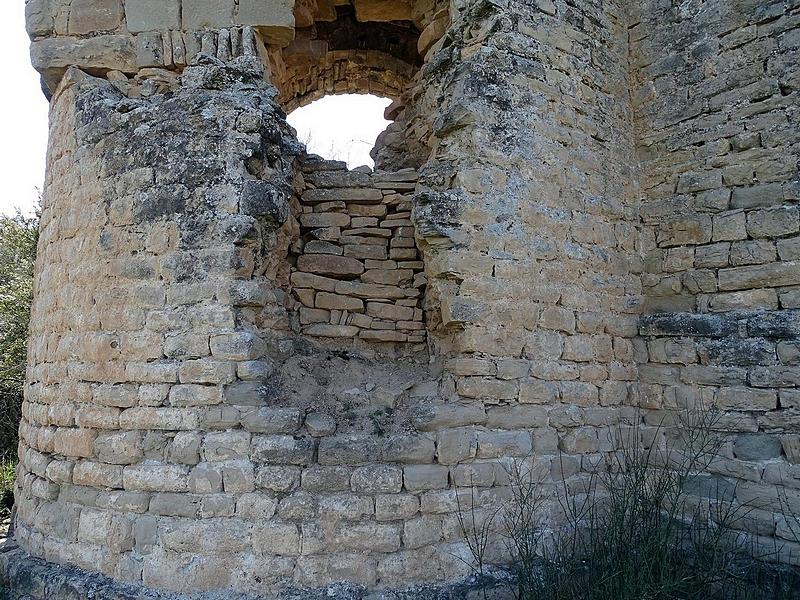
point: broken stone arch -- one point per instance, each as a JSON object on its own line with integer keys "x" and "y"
{"x": 346, "y": 72}
{"x": 350, "y": 54}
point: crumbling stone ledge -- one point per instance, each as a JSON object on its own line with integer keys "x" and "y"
{"x": 23, "y": 577}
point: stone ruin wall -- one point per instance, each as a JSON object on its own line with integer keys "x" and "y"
{"x": 604, "y": 215}
{"x": 716, "y": 110}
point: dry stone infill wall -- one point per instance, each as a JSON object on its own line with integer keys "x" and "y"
{"x": 358, "y": 272}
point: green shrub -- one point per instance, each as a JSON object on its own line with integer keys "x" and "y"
{"x": 18, "y": 237}
{"x": 7, "y": 468}
{"x": 649, "y": 524}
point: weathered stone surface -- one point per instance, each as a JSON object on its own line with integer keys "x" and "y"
{"x": 74, "y": 442}
{"x": 278, "y": 478}
{"x": 155, "y": 478}
{"x": 419, "y": 478}
{"x": 273, "y": 18}
{"x": 455, "y": 445}
{"x": 534, "y": 391}
{"x": 119, "y": 448}
{"x": 686, "y": 324}
{"x": 313, "y": 281}
{"x": 52, "y": 56}
{"x": 97, "y": 475}
{"x": 320, "y": 424}
{"x": 39, "y": 17}
{"x": 506, "y": 443}
{"x": 347, "y": 450}
{"x": 272, "y": 420}
{"x": 516, "y": 417}
{"x": 345, "y": 194}
{"x": 324, "y": 220}
{"x": 395, "y": 507}
{"x": 435, "y": 417}
{"x": 757, "y": 447}
{"x": 380, "y": 479}
{"x": 772, "y": 275}
{"x": 283, "y": 449}
{"x": 368, "y": 290}
{"x": 94, "y": 16}
{"x": 317, "y": 247}
{"x": 207, "y": 14}
{"x": 333, "y": 266}
{"x": 332, "y": 331}
{"x": 337, "y": 302}
{"x": 773, "y": 222}
{"x": 152, "y": 15}
{"x": 383, "y": 10}
{"x": 402, "y": 448}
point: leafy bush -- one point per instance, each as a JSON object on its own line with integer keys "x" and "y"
{"x": 649, "y": 524}
{"x": 7, "y": 468}
{"x": 18, "y": 237}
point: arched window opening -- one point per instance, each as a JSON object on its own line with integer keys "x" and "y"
{"x": 342, "y": 127}
{"x": 344, "y": 51}
{"x": 356, "y": 274}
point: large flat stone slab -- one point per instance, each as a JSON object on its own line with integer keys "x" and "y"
{"x": 274, "y": 19}
{"x": 52, "y": 56}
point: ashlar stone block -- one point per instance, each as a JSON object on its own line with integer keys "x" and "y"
{"x": 92, "y": 16}
{"x": 75, "y": 442}
{"x": 205, "y": 479}
{"x": 384, "y": 10}
{"x": 39, "y": 17}
{"x": 273, "y": 18}
{"x": 375, "y": 537}
{"x": 97, "y": 474}
{"x": 152, "y": 15}
{"x": 277, "y": 478}
{"x": 119, "y": 447}
{"x": 225, "y": 445}
{"x": 207, "y": 14}
{"x": 418, "y": 478}
{"x": 326, "y": 479}
{"x": 238, "y": 476}
{"x": 422, "y": 531}
{"x": 409, "y": 449}
{"x": 375, "y": 479}
{"x": 393, "y": 507}
{"x": 278, "y": 538}
{"x": 345, "y": 507}
{"x": 492, "y": 444}
{"x": 282, "y": 449}
{"x": 155, "y": 478}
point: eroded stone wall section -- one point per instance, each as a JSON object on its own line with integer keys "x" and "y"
{"x": 357, "y": 272}
{"x": 527, "y": 217}
{"x": 716, "y": 92}
{"x": 149, "y": 285}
